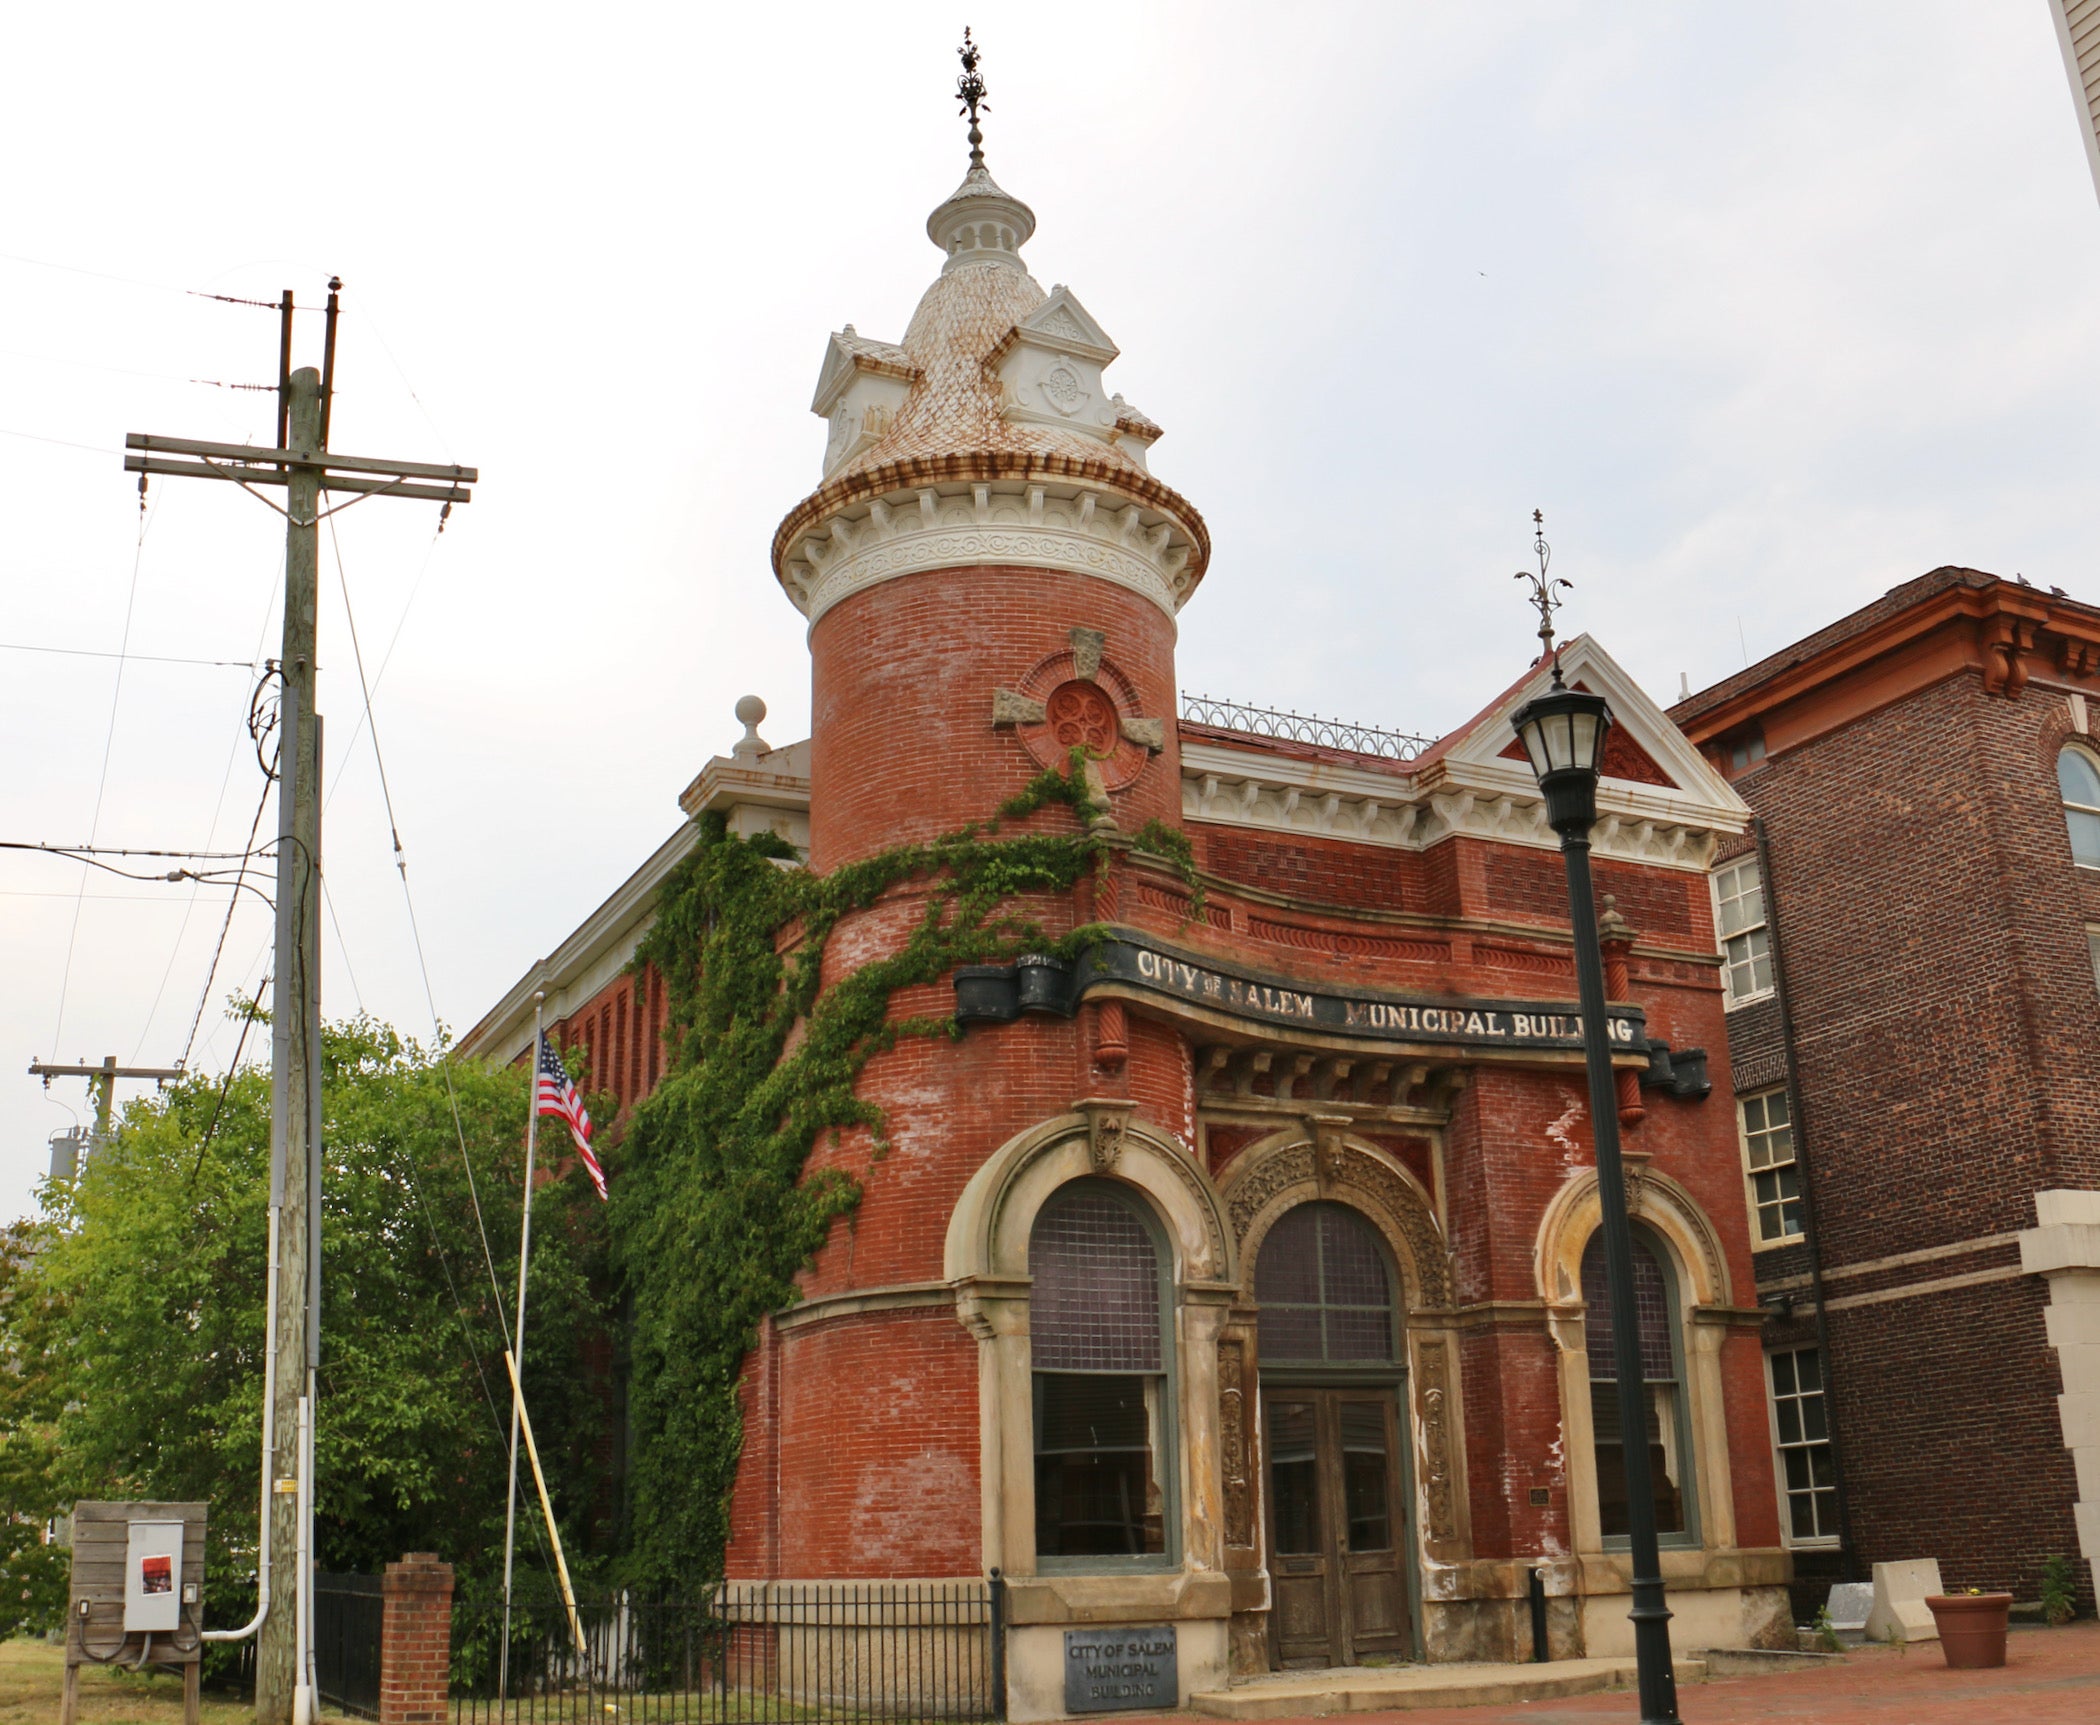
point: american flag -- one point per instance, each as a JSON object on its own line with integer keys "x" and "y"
{"x": 558, "y": 1096}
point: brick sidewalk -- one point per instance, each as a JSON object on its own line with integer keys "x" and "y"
{"x": 2050, "y": 1677}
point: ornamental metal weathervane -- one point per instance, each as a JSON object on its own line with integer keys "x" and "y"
{"x": 1543, "y": 591}
{"x": 970, "y": 89}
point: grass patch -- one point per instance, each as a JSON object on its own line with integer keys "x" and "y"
{"x": 32, "y": 1674}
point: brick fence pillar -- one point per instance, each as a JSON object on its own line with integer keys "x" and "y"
{"x": 415, "y": 1640}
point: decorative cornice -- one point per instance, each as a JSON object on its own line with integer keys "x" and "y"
{"x": 1243, "y": 787}
{"x": 898, "y": 483}
{"x": 1032, "y": 522}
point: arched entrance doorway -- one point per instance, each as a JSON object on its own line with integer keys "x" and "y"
{"x": 1330, "y": 1352}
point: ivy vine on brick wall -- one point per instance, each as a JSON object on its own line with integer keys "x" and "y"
{"x": 712, "y": 1215}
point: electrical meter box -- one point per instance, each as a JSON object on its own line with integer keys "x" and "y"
{"x": 153, "y": 1576}
{"x": 138, "y": 1589}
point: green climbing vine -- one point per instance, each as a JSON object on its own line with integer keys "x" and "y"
{"x": 712, "y": 1215}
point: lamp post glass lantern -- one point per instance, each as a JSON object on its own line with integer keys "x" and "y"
{"x": 1563, "y": 732}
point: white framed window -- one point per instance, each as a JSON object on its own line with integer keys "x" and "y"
{"x": 2078, "y": 779}
{"x": 1767, "y": 1129}
{"x": 2092, "y": 942}
{"x": 1801, "y": 1448}
{"x": 1746, "y": 941}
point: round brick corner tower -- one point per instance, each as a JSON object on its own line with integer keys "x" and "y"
{"x": 991, "y": 576}
{"x": 990, "y": 572}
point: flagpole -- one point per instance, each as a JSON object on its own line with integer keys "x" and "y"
{"x": 517, "y": 1392}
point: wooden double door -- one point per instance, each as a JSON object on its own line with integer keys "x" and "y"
{"x": 1337, "y": 1532}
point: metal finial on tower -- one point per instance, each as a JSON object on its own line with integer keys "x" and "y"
{"x": 970, "y": 89}
{"x": 1543, "y": 590}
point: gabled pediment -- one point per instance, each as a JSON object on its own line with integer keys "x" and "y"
{"x": 860, "y": 387}
{"x": 848, "y": 355}
{"x": 1062, "y": 323}
{"x": 1644, "y": 752}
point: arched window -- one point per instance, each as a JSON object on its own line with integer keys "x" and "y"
{"x": 1100, "y": 1357}
{"x": 1662, "y": 1375}
{"x": 1326, "y": 1296}
{"x": 2078, "y": 778}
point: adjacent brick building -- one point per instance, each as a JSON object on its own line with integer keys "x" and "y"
{"x": 1911, "y": 937}
{"x": 1240, "y": 1278}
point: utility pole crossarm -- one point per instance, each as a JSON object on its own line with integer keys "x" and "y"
{"x": 244, "y": 464}
{"x": 242, "y": 474}
{"x": 322, "y": 458}
{"x": 108, "y": 1069}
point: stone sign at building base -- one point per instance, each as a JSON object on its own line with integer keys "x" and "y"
{"x": 1121, "y": 1670}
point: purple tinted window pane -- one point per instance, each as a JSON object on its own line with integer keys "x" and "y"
{"x": 1359, "y": 1335}
{"x": 1651, "y": 1303}
{"x": 1291, "y": 1333}
{"x": 1324, "y": 1289}
{"x": 1351, "y": 1271}
{"x": 1288, "y": 1270}
{"x": 1095, "y": 1303}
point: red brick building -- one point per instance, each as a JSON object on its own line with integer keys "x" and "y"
{"x": 1239, "y": 1278}
{"x": 1914, "y": 1034}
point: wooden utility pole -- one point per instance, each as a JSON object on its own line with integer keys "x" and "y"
{"x": 305, "y": 469}
{"x": 103, "y": 1081}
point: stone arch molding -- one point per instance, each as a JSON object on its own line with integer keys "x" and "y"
{"x": 1655, "y": 1199}
{"x": 989, "y": 1228}
{"x": 1292, "y": 1168}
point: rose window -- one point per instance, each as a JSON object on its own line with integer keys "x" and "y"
{"x": 1082, "y": 717}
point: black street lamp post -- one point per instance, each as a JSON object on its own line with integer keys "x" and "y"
{"x": 1563, "y": 732}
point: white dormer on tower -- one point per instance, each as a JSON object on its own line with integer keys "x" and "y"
{"x": 860, "y": 388}
{"x": 1049, "y": 367}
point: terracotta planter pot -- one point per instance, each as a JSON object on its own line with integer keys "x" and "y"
{"x": 1972, "y": 1628}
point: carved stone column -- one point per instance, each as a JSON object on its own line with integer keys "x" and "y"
{"x": 995, "y": 1310}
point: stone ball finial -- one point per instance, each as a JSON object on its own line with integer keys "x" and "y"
{"x": 749, "y": 711}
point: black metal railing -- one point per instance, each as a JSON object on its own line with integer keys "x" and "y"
{"x": 1302, "y": 728}
{"x": 348, "y": 1615}
{"x": 748, "y": 1653}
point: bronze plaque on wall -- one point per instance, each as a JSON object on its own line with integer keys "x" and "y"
{"x": 1116, "y": 1670}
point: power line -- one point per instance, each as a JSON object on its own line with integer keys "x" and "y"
{"x": 393, "y": 640}
{"x": 125, "y": 851}
{"x": 342, "y": 946}
{"x": 62, "y": 442}
{"x": 210, "y": 833}
{"x": 225, "y": 928}
{"x": 135, "y": 658}
{"x": 128, "y": 371}
{"x": 99, "y": 275}
{"x": 386, "y": 792}
{"x": 116, "y": 695}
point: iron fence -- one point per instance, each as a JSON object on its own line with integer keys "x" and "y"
{"x": 348, "y": 1615}
{"x": 1303, "y": 728}
{"x": 747, "y": 1653}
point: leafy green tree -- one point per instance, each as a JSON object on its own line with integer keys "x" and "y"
{"x": 32, "y": 1574}
{"x": 133, "y": 1331}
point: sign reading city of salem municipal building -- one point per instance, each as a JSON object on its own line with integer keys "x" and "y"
{"x": 1117, "y": 1670}
{"x": 1379, "y": 1015}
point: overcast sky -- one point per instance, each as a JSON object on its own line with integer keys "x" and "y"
{"x": 1769, "y": 307}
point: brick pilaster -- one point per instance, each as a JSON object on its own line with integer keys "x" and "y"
{"x": 415, "y": 1640}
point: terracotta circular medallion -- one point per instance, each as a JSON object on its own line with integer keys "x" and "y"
{"x": 1082, "y": 717}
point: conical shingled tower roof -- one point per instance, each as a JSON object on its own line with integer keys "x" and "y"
{"x": 994, "y": 381}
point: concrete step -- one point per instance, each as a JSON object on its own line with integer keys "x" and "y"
{"x": 1395, "y": 1688}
